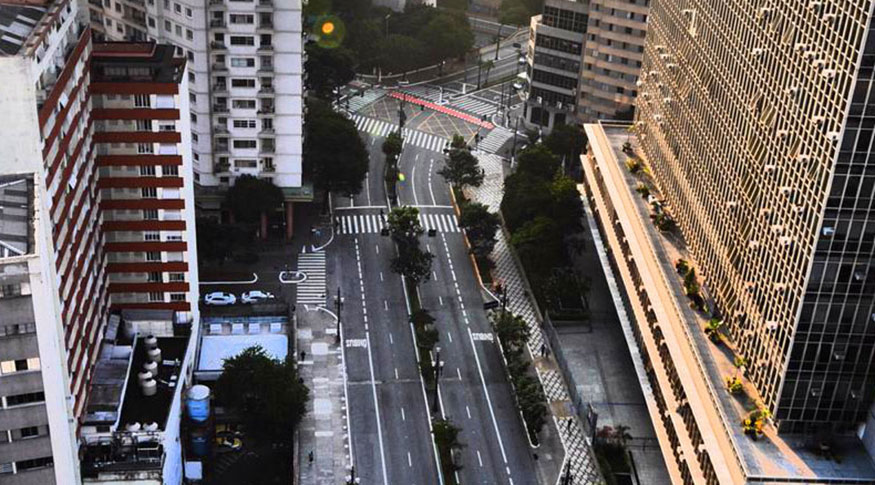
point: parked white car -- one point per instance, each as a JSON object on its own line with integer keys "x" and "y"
{"x": 256, "y": 296}
{"x": 220, "y": 298}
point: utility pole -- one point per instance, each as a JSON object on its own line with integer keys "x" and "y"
{"x": 338, "y": 305}
{"x": 438, "y": 367}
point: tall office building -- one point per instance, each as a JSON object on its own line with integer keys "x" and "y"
{"x": 245, "y": 84}
{"x": 97, "y": 216}
{"x": 755, "y": 123}
{"x": 584, "y": 57}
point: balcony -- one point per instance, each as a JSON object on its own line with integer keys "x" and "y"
{"x": 267, "y": 132}
{"x": 220, "y": 167}
{"x": 266, "y": 110}
{"x": 217, "y": 3}
{"x": 220, "y": 129}
{"x": 267, "y": 149}
{"x": 220, "y": 88}
{"x": 265, "y": 47}
{"x": 266, "y": 91}
{"x": 265, "y": 3}
{"x": 219, "y": 67}
{"x": 265, "y": 24}
{"x": 268, "y": 169}
{"x": 266, "y": 68}
{"x": 218, "y": 46}
{"x": 220, "y": 108}
{"x": 217, "y": 23}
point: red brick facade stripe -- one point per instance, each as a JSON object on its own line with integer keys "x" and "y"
{"x": 139, "y": 247}
{"x": 62, "y": 115}
{"x": 147, "y": 287}
{"x": 69, "y": 66}
{"x": 144, "y": 226}
{"x": 118, "y": 182}
{"x": 130, "y": 204}
{"x": 137, "y": 137}
{"x": 64, "y": 145}
{"x": 182, "y": 306}
{"x": 173, "y": 266}
{"x": 133, "y": 88}
{"x": 137, "y": 160}
{"x": 135, "y": 114}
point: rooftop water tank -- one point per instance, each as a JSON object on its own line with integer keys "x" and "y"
{"x": 200, "y": 441}
{"x": 151, "y": 342}
{"x": 133, "y": 427}
{"x": 151, "y": 367}
{"x": 144, "y": 376}
{"x": 154, "y": 355}
{"x": 197, "y": 401}
{"x": 153, "y": 426}
{"x": 149, "y": 387}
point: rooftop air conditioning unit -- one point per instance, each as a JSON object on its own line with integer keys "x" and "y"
{"x": 771, "y": 326}
{"x": 832, "y": 136}
{"x": 783, "y": 133}
{"x": 758, "y": 51}
{"x": 828, "y": 73}
{"x": 818, "y": 119}
{"x": 800, "y": 46}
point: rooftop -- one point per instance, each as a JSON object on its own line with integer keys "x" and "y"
{"x": 136, "y": 62}
{"x": 138, "y": 408}
{"x": 784, "y": 457}
{"x": 17, "y": 19}
{"x": 16, "y": 214}
{"x": 244, "y": 333}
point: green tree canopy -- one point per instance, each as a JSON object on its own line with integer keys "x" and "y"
{"x": 401, "y": 53}
{"x": 265, "y": 393}
{"x": 413, "y": 263}
{"x": 462, "y": 169}
{"x": 392, "y": 145}
{"x": 250, "y": 197}
{"x": 328, "y": 69}
{"x": 458, "y": 141}
{"x": 566, "y": 141}
{"x": 335, "y": 157}
{"x": 404, "y": 225}
{"x": 539, "y": 245}
{"x": 480, "y": 226}
{"x": 519, "y": 12}
{"x": 538, "y": 161}
{"x": 524, "y": 198}
{"x": 448, "y": 37}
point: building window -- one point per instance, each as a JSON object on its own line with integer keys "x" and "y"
{"x": 7, "y": 291}
{"x": 169, "y": 170}
{"x": 147, "y": 170}
{"x": 152, "y": 236}
{"x": 22, "y": 399}
{"x": 153, "y": 256}
{"x": 243, "y": 103}
{"x": 29, "y": 432}
{"x": 156, "y": 296}
{"x": 168, "y": 26}
{"x": 150, "y": 214}
{"x": 245, "y": 163}
{"x": 242, "y": 40}
{"x": 242, "y": 18}
{"x": 245, "y": 144}
{"x": 6, "y": 468}
{"x": 242, "y": 62}
{"x": 34, "y": 464}
{"x": 176, "y": 277}
{"x": 177, "y": 297}
{"x": 149, "y": 192}
{"x": 244, "y": 123}
{"x": 155, "y": 277}
{"x": 242, "y": 83}
{"x": 187, "y": 12}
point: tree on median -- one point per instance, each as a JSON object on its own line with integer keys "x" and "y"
{"x": 328, "y": 69}
{"x": 413, "y": 263}
{"x": 462, "y": 169}
{"x": 404, "y": 225}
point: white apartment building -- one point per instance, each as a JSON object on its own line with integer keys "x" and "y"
{"x": 245, "y": 65}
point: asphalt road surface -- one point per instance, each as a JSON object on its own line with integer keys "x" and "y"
{"x": 389, "y": 412}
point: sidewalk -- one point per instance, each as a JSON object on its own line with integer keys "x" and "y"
{"x": 571, "y": 440}
{"x": 324, "y": 429}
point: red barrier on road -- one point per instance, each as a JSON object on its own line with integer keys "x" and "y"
{"x": 443, "y": 109}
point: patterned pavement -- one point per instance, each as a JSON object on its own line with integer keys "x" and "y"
{"x": 495, "y": 139}
{"x": 356, "y": 103}
{"x": 578, "y": 449}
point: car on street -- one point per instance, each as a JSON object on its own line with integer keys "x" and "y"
{"x": 256, "y": 296}
{"x": 220, "y": 298}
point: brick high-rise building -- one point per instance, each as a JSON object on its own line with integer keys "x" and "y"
{"x": 754, "y": 126}
{"x": 97, "y": 177}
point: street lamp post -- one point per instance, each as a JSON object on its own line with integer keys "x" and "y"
{"x": 438, "y": 367}
{"x": 338, "y": 305}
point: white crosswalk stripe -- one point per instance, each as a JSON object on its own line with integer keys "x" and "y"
{"x": 382, "y": 128}
{"x": 356, "y": 102}
{"x": 373, "y": 223}
{"x": 474, "y": 105}
{"x": 495, "y": 139}
{"x": 312, "y": 290}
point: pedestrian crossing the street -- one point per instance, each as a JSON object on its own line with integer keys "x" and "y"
{"x": 356, "y": 102}
{"x": 475, "y": 106}
{"x": 495, "y": 140}
{"x": 382, "y": 128}
{"x": 312, "y": 290}
{"x": 373, "y": 223}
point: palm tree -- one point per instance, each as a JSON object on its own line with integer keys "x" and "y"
{"x": 488, "y": 65}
